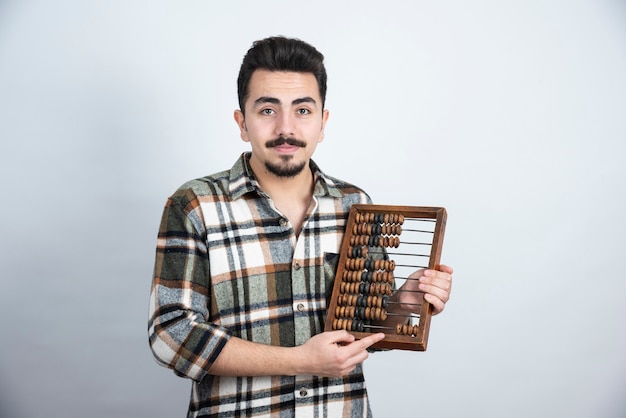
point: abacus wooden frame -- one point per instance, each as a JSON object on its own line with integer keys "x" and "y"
{"x": 418, "y": 342}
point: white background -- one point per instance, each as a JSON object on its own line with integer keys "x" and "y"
{"x": 511, "y": 114}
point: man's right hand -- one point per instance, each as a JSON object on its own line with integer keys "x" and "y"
{"x": 334, "y": 353}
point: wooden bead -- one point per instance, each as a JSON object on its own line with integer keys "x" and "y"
{"x": 388, "y": 277}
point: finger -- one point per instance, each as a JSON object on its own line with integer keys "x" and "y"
{"x": 437, "y": 274}
{"x": 365, "y": 342}
{"x": 437, "y": 285}
{"x": 372, "y": 339}
{"x": 340, "y": 336}
{"x": 446, "y": 269}
{"x": 437, "y": 304}
{"x": 439, "y": 289}
{"x": 437, "y": 278}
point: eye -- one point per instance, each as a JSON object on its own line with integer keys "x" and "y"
{"x": 267, "y": 112}
{"x": 303, "y": 111}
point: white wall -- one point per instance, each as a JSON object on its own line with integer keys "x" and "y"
{"x": 511, "y": 114}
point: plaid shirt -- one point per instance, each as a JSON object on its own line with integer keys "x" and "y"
{"x": 228, "y": 263}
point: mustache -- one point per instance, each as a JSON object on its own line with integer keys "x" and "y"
{"x": 285, "y": 140}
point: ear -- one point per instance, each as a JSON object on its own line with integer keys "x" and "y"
{"x": 325, "y": 115}
{"x": 240, "y": 119}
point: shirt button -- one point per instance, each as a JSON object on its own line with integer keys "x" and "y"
{"x": 283, "y": 222}
{"x": 303, "y": 392}
{"x": 300, "y": 307}
{"x": 296, "y": 266}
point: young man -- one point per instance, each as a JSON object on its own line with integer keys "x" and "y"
{"x": 246, "y": 257}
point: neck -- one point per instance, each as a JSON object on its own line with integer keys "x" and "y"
{"x": 291, "y": 195}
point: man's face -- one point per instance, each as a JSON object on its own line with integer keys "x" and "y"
{"x": 284, "y": 121}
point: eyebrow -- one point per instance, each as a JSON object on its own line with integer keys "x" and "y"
{"x": 273, "y": 100}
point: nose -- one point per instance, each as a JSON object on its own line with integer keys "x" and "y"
{"x": 285, "y": 125}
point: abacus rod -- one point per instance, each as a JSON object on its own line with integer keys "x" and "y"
{"x": 417, "y": 230}
{"x": 408, "y": 291}
{"x": 409, "y": 265}
{"x": 403, "y": 303}
{"x": 399, "y": 242}
{"x": 410, "y": 254}
{"x": 411, "y": 315}
{"x": 377, "y": 327}
{"x": 406, "y": 278}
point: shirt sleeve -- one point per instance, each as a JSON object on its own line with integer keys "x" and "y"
{"x": 181, "y": 337}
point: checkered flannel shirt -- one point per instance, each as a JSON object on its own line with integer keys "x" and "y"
{"x": 228, "y": 264}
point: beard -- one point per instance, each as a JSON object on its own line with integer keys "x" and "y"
{"x": 285, "y": 168}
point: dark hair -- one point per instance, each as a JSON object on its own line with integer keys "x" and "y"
{"x": 281, "y": 54}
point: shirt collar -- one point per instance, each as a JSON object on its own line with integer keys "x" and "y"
{"x": 242, "y": 180}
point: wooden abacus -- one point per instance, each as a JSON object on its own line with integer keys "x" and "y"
{"x": 374, "y": 262}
